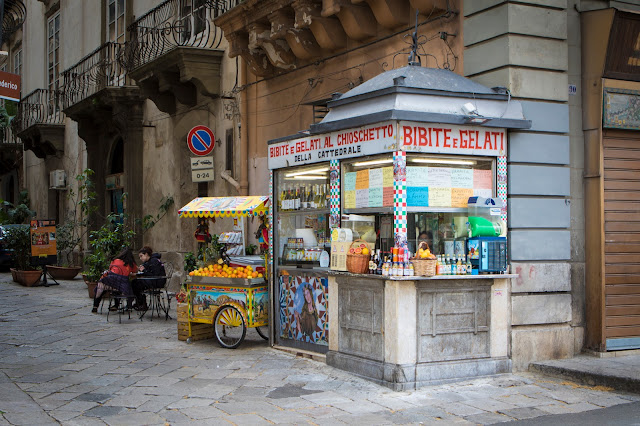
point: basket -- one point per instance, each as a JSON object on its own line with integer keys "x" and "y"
{"x": 358, "y": 263}
{"x": 424, "y": 267}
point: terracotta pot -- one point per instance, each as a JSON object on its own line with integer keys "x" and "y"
{"x": 14, "y": 274}
{"x": 91, "y": 286}
{"x": 63, "y": 272}
{"x": 28, "y": 278}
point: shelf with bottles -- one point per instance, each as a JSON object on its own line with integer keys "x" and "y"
{"x": 296, "y": 197}
{"x": 296, "y": 253}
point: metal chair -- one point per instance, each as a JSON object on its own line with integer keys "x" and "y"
{"x": 158, "y": 295}
{"x": 122, "y": 302}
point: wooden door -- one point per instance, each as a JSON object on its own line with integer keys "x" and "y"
{"x": 622, "y": 239}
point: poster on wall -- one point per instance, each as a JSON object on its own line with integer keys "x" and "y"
{"x": 303, "y": 309}
{"x": 43, "y": 238}
{"x": 206, "y": 299}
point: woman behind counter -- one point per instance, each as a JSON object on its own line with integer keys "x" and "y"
{"x": 117, "y": 279}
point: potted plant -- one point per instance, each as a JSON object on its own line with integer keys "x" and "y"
{"x": 18, "y": 239}
{"x": 71, "y": 234}
{"x": 105, "y": 244}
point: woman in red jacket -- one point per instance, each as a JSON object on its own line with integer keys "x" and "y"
{"x": 117, "y": 278}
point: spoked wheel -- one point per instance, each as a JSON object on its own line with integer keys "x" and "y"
{"x": 230, "y": 327}
{"x": 262, "y": 331}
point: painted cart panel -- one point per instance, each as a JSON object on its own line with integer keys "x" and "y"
{"x": 205, "y": 299}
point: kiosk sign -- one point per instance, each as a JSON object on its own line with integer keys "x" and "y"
{"x": 390, "y": 136}
{"x": 366, "y": 140}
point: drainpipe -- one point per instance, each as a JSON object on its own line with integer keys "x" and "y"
{"x": 226, "y": 175}
{"x": 244, "y": 133}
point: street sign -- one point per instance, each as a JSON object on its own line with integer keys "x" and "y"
{"x": 201, "y": 163}
{"x": 9, "y": 86}
{"x": 202, "y": 175}
{"x": 200, "y": 140}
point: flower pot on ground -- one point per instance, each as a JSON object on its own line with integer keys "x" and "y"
{"x": 17, "y": 238}
{"x": 91, "y": 286}
{"x": 63, "y": 272}
{"x": 28, "y": 278}
{"x": 14, "y": 274}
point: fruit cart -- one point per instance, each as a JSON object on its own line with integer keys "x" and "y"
{"x": 232, "y": 299}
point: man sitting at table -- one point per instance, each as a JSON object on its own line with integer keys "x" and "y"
{"x": 151, "y": 267}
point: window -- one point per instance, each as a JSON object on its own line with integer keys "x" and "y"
{"x": 229, "y": 151}
{"x": 17, "y": 62}
{"x": 115, "y": 21}
{"x": 53, "y": 52}
{"x": 194, "y": 18}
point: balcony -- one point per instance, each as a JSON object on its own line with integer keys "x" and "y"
{"x": 98, "y": 93}
{"x": 174, "y": 52}
{"x": 40, "y": 123}
{"x": 274, "y": 36}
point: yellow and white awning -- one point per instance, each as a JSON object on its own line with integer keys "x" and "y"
{"x": 226, "y": 207}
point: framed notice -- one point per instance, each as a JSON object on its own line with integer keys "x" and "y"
{"x": 368, "y": 188}
{"x": 447, "y": 187}
{"x": 43, "y": 238}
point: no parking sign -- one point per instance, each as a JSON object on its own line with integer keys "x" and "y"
{"x": 200, "y": 140}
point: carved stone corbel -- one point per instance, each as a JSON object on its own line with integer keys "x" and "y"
{"x": 301, "y": 40}
{"x": 357, "y": 20}
{"x": 278, "y": 51}
{"x": 256, "y": 60}
{"x": 389, "y": 13}
{"x": 328, "y": 32}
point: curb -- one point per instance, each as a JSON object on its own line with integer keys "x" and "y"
{"x": 587, "y": 377}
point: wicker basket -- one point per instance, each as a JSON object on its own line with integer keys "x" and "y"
{"x": 357, "y": 263}
{"x": 424, "y": 267}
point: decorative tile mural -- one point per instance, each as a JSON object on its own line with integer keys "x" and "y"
{"x": 303, "y": 309}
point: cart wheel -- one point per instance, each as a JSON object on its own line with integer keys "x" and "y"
{"x": 230, "y": 327}
{"x": 263, "y": 333}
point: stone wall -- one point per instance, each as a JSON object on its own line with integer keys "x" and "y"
{"x": 532, "y": 49}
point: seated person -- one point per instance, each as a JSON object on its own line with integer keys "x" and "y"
{"x": 151, "y": 267}
{"x": 116, "y": 278}
{"x": 427, "y": 237}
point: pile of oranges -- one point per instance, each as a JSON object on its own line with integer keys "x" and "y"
{"x": 225, "y": 271}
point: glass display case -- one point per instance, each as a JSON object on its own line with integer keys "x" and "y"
{"x": 303, "y": 206}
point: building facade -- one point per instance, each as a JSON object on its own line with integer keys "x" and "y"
{"x": 124, "y": 81}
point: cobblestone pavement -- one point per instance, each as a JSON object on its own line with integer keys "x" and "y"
{"x": 61, "y": 364}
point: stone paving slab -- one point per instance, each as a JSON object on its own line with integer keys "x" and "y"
{"x": 74, "y": 368}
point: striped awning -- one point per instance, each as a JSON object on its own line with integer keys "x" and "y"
{"x": 226, "y": 207}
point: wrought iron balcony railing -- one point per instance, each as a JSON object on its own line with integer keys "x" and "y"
{"x": 8, "y": 136}
{"x": 98, "y": 70}
{"x": 172, "y": 24}
{"x": 42, "y": 106}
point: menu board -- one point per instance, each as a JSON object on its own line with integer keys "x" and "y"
{"x": 368, "y": 188}
{"x": 446, "y": 186}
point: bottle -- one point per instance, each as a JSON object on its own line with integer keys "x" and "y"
{"x": 447, "y": 265}
{"x": 459, "y": 267}
{"x": 316, "y": 198}
{"x": 297, "y": 199}
{"x": 303, "y": 198}
{"x": 406, "y": 269}
{"x": 469, "y": 266}
{"x": 310, "y": 201}
{"x": 281, "y": 200}
{"x": 400, "y": 269}
{"x": 438, "y": 266}
{"x": 454, "y": 266}
{"x": 327, "y": 196}
{"x": 412, "y": 272}
{"x": 379, "y": 265}
{"x": 385, "y": 268}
